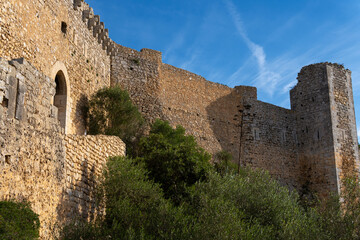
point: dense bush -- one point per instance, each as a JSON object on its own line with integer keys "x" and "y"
{"x": 111, "y": 112}
{"x": 18, "y": 221}
{"x": 173, "y": 160}
{"x": 249, "y": 205}
{"x": 135, "y": 206}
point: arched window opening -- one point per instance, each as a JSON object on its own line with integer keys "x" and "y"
{"x": 60, "y": 98}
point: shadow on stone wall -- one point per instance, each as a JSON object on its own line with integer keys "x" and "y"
{"x": 224, "y": 116}
{"x": 79, "y": 196}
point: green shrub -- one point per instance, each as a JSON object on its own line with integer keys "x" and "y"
{"x": 81, "y": 229}
{"x": 18, "y": 221}
{"x": 173, "y": 160}
{"x": 249, "y": 206}
{"x": 111, "y": 112}
{"x": 340, "y": 215}
{"x": 135, "y": 206}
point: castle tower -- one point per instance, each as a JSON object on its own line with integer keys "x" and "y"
{"x": 326, "y": 128}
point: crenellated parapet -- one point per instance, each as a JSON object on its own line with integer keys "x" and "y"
{"x": 93, "y": 23}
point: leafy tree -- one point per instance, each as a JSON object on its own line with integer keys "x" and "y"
{"x": 18, "y": 221}
{"x": 111, "y": 112}
{"x": 173, "y": 160}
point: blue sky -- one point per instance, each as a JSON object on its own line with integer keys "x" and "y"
{"x": 258, "y": 43}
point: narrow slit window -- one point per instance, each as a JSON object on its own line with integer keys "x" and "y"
{"x": 5, "y": 102}
{"x": 8, "y": 159}
{"x": 256, "y": 134}
{"x": 63, "y": 27}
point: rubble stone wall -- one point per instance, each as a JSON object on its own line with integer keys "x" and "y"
{"x": 311, "y": 147}
{"x": 139, "y": 73}
{"x": 269, "y": 141}
{"x": 326, "y": 128}
{"x": 343, "y": 121}
{"x": 207, "y": 110}
{"x": 85, "y": 160}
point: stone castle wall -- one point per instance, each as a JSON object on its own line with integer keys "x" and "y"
{"x": 268, "y": 141}
{"x": 34, "y": 30}
{"x": 326, "y": 128}
{"x": 138, "y": 73}
{"x": 85, "y": 157}
{"x": 38, "y": 163}
{"x": 205, "y": 109}
{"x": 257, "y": 134}
{"x": 46, "y": 159}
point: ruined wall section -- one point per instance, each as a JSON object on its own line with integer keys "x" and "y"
{"x": 48, "y": 32}
{"x": 343, "y": 122}
{"x": 310, "y": 100}
{"x": 37, "y": 162}
{"x": 85, "y": 161}
{"x": 268, "y": 141}
{"x": 139, "y": 73}
{"x": 207, "y": 110}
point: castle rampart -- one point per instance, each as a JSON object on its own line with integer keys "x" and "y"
{"x": 64, "y": 55}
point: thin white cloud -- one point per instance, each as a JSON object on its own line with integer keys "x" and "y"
{"x": 187, "y": 65}
{"x": 176, "y": 43}
{"x": 257, "y": 51}
{"x": 289, "y": 86}
{"x": 265, "y": 79}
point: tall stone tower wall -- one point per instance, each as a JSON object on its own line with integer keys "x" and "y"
{"x": 326, "y": 129}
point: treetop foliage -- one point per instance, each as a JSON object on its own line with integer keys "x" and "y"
{"x": 173, "y": 159}
{"x": 111, "y": 112}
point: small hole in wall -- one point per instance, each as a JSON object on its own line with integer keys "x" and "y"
{"x": 5, "y": 103}
{"x": 8, "y": 159}
{"x": 63, "y": 27}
